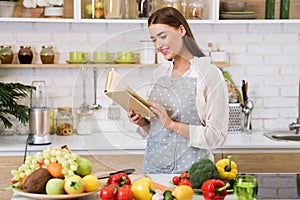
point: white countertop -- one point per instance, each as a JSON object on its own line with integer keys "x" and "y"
{"x": 122, "y": 143}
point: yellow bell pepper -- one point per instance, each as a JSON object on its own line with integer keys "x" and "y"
{"x": 143, "y": 189}
{"x": 183, "y": 192}
{"x": 227, "y": 168}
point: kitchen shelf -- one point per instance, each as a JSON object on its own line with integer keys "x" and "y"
{"x": 51, "y": 66}
{"x": 75, "y": 14}
{"x": 89, "y": 65}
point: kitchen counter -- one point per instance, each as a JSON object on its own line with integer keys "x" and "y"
{"x": 121, "y": 143}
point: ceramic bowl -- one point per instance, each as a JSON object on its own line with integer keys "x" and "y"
{"x": 238, "y": 6}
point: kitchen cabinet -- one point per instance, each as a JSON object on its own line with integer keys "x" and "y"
{"x": 74, "y": 13}
{"x": 265, "y": 162}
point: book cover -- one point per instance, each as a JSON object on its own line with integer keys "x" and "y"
{"x": 117, "y": 89}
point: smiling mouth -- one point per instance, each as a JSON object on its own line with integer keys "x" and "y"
{"x": 164, "y": 52}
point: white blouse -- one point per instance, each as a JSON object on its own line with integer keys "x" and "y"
{"x": 212, "y": 102}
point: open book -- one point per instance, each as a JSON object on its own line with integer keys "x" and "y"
{"x": 117, "y": 89}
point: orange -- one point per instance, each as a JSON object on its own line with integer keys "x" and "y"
{"x": 23, "y": 180}
{"x": 55, "y": 169}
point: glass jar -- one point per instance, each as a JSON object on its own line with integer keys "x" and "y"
{"x": 113, "y": 9}
{"x": 144, "y": 8}
{"x": 64, "y": 121}
{"x": 172, "y": 3}
{"x": 195, "y": 9}
{"x": 47, "y": 55}
{"x": 7, "y": 56}
{"x": 85, "y": 123}
{"x": 25, "y": 55}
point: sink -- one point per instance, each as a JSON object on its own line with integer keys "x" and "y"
{"x": 283, "y": 135}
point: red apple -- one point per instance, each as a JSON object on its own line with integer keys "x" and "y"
{"x": 74, "y": 185}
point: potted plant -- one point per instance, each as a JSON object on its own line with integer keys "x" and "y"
{"x": 10, "y": 94}
{"x": 7, "y": 7}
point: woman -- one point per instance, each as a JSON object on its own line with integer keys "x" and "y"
{"x": 189, "y": 99}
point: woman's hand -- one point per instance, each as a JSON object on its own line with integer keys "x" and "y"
{"x": 161, "y": 114}
{"x": 137, "y": 119}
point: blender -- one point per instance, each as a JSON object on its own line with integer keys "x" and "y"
{"x": 39, "y": 115}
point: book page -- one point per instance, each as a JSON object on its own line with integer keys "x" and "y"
{"x": 117, "y": 89}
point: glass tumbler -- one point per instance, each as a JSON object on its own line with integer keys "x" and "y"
{"x": 245, "y": 187}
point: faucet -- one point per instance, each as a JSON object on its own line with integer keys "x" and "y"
{"x": 296, "y": 125}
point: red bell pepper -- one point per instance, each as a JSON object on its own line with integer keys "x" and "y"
{"x": 120, "y": 178}
{"x": 125, "y": 193}
{"x": 214, "y": 189}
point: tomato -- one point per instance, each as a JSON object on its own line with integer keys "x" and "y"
{"x": 125, "y": 193}
{"x": 13, "y": 181}
{"x": 175, "y": 180}
{"x": 41, "y": 163}
{"x": 108, "y": 193}
{"x": 185, "y": 181}
{"x": 185, "y": 175}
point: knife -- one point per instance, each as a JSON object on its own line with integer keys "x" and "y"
{"x": 244, "y": 92}
{"x": 126, "y": 171}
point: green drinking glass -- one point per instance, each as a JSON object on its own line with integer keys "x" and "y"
{"x": 245, "y": 187}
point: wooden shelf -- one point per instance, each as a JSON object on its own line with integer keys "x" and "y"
{"x": 88, "y": 65}
{"x": 91, "y": 65}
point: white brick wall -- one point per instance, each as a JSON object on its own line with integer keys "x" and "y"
{"x": 266, "y": 55}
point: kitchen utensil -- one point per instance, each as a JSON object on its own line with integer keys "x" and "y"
{"x": 39, "y": 115}
{"x": 126, "y": 171}
{"x": 84, "y": 108}
{"x": 244, "y": 92}
{"x": 96, "y": 106}
{"x": 247, "y": 109}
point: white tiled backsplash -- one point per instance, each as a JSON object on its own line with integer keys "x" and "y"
{"x": 265, "y": 55}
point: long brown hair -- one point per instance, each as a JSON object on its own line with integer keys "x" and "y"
{"x": 172, "y": 17}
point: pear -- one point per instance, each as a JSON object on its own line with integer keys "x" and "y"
{"x": 84, "y": 166}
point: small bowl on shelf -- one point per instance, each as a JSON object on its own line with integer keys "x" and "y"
{"x": 237, "y": 6}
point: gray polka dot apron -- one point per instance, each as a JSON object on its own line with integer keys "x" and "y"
{"x": 167, "y": 151}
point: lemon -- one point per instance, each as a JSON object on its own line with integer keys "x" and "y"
{"x": 91, "y": 183}
{"x": 183, "y": 192}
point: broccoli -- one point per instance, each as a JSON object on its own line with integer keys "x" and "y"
{"x": 202, "y": 171}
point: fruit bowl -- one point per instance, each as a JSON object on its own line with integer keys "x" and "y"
{"x": 52, "y": 197}
{"x": 238, "y": 6}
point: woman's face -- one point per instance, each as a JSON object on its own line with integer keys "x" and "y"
{"x": 167, "y": 39}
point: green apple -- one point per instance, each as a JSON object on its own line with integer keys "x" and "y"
{"x": 99, "y": 4}
{"x": 88, "y": 9}
{"x": 85, "y": 166}
{"x": 55, "y": 186}
{"x": 74, "y": 185}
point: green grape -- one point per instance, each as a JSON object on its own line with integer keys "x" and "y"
{"x": 22, "y": 175}
{"x": 27, "y": 172}
{"x": 46, "y": 162}
{"x": 64, "y": 171}
{"x": 67, "y": 156}
{"x": 73, "y": 167}
{"x": 53, "y": 159}
{"x": 14, "y": 172}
